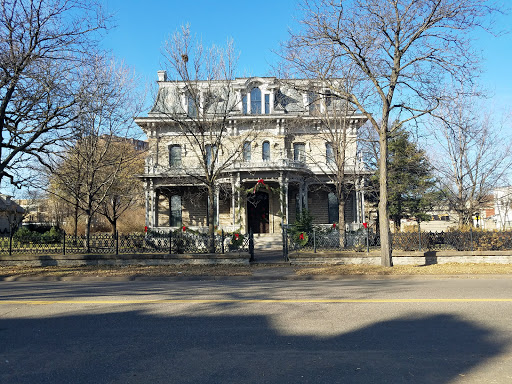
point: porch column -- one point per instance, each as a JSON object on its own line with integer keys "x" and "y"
{"x": 283, "y": 184}
{"x": 238, "y": 186}
{"x": 152, "y": 219}
{"x": 233, "y": 200}
{"x": 146, "y": 203}
{"x": 306, "y": 187}
{"x": 301, "y": 195}
{"x": 363, "y": 219}
{"x": 217, "y": 194}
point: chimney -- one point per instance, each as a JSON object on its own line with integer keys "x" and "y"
{"x": 162, "y": 75}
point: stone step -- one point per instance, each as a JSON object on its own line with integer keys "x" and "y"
{"x": 268, "y": 241}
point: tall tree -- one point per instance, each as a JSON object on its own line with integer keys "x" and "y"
{"x": 88, "y": 172}
{"x": 126, "y": 191}
{"x": 399, "y": 51}
{"x": 207, "y": 75}
{"x": 472, "y": 156}
{"x": 44, "y": 45}
{"x": 412, "y": 187}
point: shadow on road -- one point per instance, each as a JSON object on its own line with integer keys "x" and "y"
{"x": 135, "y": 347}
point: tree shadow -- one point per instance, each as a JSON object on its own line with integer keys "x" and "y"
{"x": 134, "y": 346}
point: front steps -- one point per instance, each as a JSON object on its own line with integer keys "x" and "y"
{"x": 268, "y": 241}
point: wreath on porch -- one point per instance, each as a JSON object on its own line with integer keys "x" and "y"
{"x": 301, "y": 238}
{"x": 237, "y": 239}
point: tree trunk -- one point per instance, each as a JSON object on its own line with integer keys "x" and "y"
{"x": 341, "y": 223}
{"x": 76, "y": 221}
{"x": 88, "y": 231}
{"x": 211, "y": 219}
{"x": 385, "y": 235}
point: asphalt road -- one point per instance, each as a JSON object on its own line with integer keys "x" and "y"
{"x": 344, "y": 331}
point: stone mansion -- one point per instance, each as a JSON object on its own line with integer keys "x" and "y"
{"x": 272, "y": 154}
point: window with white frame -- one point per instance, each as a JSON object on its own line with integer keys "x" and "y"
{"x": 191, "y": 106}
{"x": 265, "y": 151}
{"x": 299, "y": 152}
{"x": 247, "y": 151}
{"x": 175, "y": 155}
{"x": 255, "y": 101}
{"x": 175, "y": 214}
{"x": 329, "y": 154}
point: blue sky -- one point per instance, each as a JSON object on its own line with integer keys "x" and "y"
{"x": 256, "y": 28}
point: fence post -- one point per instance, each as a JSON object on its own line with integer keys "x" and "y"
{"x": 419, "y": 236}
{"x": 285, "y": 244}
{"x": 367, "y": 239}
{"x": 251, "y": 245}
{"x": 222, "y": 241}
{"x": 314, "y": 240}
{"x": 471, "y": 237}
{"x": 64, "y": 243}
{"x": 117, "y": 243}
{"x": 10, "y": 241}
{"x": 170, "y": 241}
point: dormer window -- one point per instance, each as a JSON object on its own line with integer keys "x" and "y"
{"x": 314, "y": 102}
{"x": 267, "y": 104}
{"x": 256, "y": 101}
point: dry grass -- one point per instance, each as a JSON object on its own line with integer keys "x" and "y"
{"x": 233, "y": 270}
{"x": 126, "y": 271}
{"x": 435, "y": 269}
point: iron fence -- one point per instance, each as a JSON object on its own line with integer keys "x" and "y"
{"x": 172, "y": 242}
{"x": 365, "y": 240}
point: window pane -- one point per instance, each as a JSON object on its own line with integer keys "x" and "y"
{"x": 255, "y": 101}
{"x": 314, "y": 104}
{"x": 175, "y": 155}
{"x": 175, "y": 218}
{"x": 211, "y": 152}
{"x": 333, "y": 208}
{"x": 299, "y": 152}
{"x": 329, "y": 154}
{"x": 247, "y": 151}
{"x": 192, "y": 110}
{"x": 265, "y": 151}
{"x": 244, "y": 105}
{"x": 267, "y": 104}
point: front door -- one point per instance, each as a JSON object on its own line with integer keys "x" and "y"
{"x": 258, "y": 212}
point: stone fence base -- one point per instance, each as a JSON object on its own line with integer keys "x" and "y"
{"x": 125, "y": 259}
{"x": 402, "y": 258}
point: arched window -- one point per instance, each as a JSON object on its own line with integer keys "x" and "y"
{"x": 256, "y": 101}
{"x": 333, "y": 208}
{"x": 247, "y": 151}
{"x": 175, "y": 155}
{"x": 265, "y": 151}
{"x": 175, "y": 207}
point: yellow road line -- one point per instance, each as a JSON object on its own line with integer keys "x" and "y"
{"x": 249, "y": 301}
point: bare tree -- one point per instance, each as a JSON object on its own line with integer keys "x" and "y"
{"x": 126, "y": 191}
{"x": 197, "y": 104}
{"x": 88, "y": 172}
{"x": 472, "y": 157}
{"x": 43, "y": 46}
{"x": 399, "y": 53}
